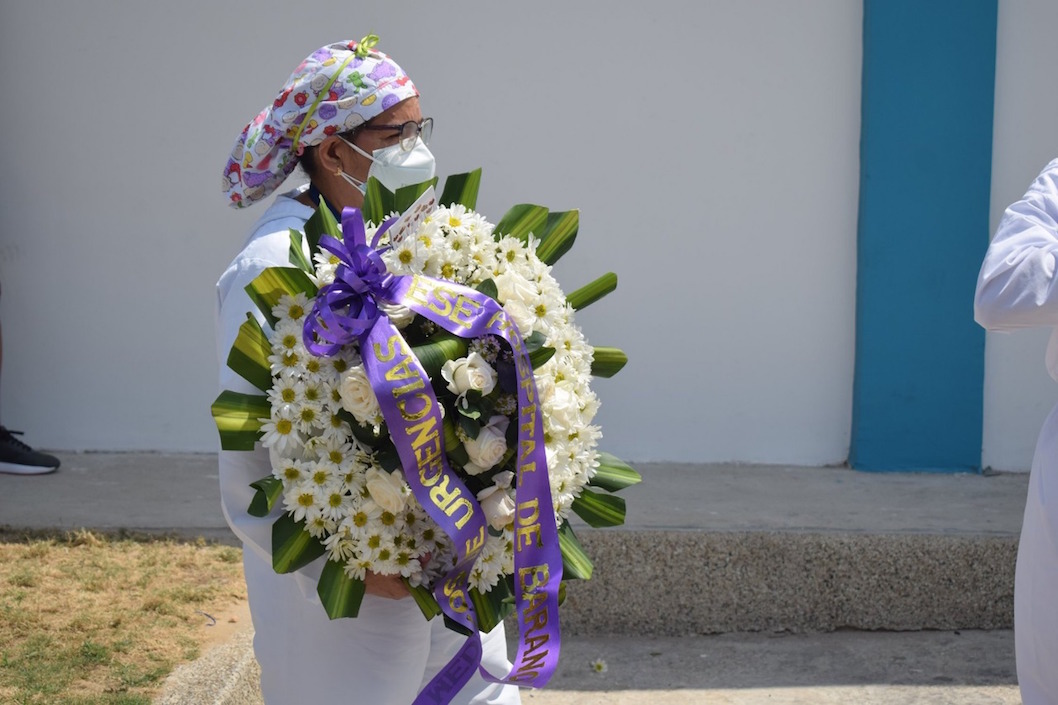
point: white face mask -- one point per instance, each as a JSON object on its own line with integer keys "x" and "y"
{"x": 395, "y": 168}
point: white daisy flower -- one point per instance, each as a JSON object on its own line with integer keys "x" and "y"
{"x": 510, "y": 253}
{"x": 292, "y": 308}
{"x": 309, "y": 417}
{"x": 407, "y": 258}
{"x": 357, "y": 567}
{"x": 300, "y": 499}
{"x": 339, "y": 546}
{"x": 280, "y": 432}
{"x": 335, "y": 427}
{"x": 319, "y": 525}
{"x": 286, "y": 361}
{"x": 285, "y": 390}
{"x": 321, "y": 474}
{"x": 290, "y": 471}
{"x": 337, "y": 503}
{"x": 326, "y": 263}
{"x": 287, "y": 335}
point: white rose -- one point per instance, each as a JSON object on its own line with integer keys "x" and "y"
{"x": 511, "y": 286}
{"x": 358, "y": 398}
{"x": 400, "y": 316}
{"x": 545, "y": 383}
{"x": 490, "y": 445}
{"x": 387, "y": 489}
{"x": 468, "y": 373}
{"x": 497, "y": 505}
{"x": 563, "y": 409}
{"x": 522, "y": 316}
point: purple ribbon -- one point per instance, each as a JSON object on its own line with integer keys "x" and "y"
{"x": 348, "y": 310}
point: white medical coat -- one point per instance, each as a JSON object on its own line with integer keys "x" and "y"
{"x": 1018, "y": 288}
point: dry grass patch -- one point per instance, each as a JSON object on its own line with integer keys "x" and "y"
{"x": 87, "y": 619}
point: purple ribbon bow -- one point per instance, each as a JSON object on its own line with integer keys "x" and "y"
{"x": 346, "y": 308}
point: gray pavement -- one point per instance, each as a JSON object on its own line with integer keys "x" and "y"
{"x": 150, "y": 492}
{"x": 785, "y": 560}
{"x": 837, "y": 668}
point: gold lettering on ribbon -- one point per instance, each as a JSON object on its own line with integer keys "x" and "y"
{"x": 427, "y": 448}
{"x": 402, "y": 405}
{"x": 451, "y": 501}
{"x": 434, "y": 465}
{"x": 527, "y": 524}
{"x": 411, "y": 386}
{"x": 533, "y": 581}
{"x": 464, "y": 311}
{"x": 500, "y": 321}
{"x": 445, "y": 302}
{"x": 417, "y": 291}
{"x": 423, "y": 432}
{"x": 474, "y": 544}
{"x": 457, "y": 597}
{"x": 394, "y": 344}
{"x": 527, "y": 445}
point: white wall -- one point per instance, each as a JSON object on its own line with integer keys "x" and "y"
{"x": 1018, "y": 392}
{"x": 712, "y": 147}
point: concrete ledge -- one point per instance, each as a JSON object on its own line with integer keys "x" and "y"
{"x": 680, "y": 584}
{"x": 668, "y": 583}
{"x": 225, "y": 675}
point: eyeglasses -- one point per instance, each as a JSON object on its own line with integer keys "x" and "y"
{"x": 409, "y": 132}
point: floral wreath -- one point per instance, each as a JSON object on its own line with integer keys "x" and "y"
{"x": 434, "y": 342}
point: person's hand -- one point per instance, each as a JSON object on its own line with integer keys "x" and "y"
{"x": 390, "y": 586}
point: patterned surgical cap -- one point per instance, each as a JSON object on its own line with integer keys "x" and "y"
{"x": 337, "y": 88}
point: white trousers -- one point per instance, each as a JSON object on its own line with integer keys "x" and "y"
{"x": 1036, "y": 578}
{"x": 384, "y": 656}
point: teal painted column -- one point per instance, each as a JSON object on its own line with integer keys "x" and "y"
{"x": 925, "y": 180}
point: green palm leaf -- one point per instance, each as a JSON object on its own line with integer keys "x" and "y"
{"x": 297, "y": 252}
{"x": 614, "y": 474}
{"x": 293, "y": 546}
{"x": 558, "y": 235}
{"x": 521, "y": 220}
{"x": 462, "y": 189}
{"x": 575, "y": 562}
{"x": 406, "y": 196}
{"x": 271, "y": 284}
{"x": 457, "y": 627}
{"x": 269, "y": 489}
{"x": 453, "y": 446}
{"x": 606, "y": 362}
{"x": 238, "y": 419}
{"x": 341, "y": 595}
{"x": 424, "y": 599}
{"x": 590, "y": 293}
{"x": 599, "y": 510}
{"x": 540, "y": 356}
{"x": 321, "y": 223}
{"x": 438, "y": 350}
{"x": 378, "y": 202}
{"x": 249, "y": 355}
{"x": 492, "y": 606}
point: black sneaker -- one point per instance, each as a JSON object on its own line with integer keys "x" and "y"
{"x": 17, "y": 458}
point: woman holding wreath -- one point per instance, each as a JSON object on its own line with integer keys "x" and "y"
{"x": 347, "y": 113}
